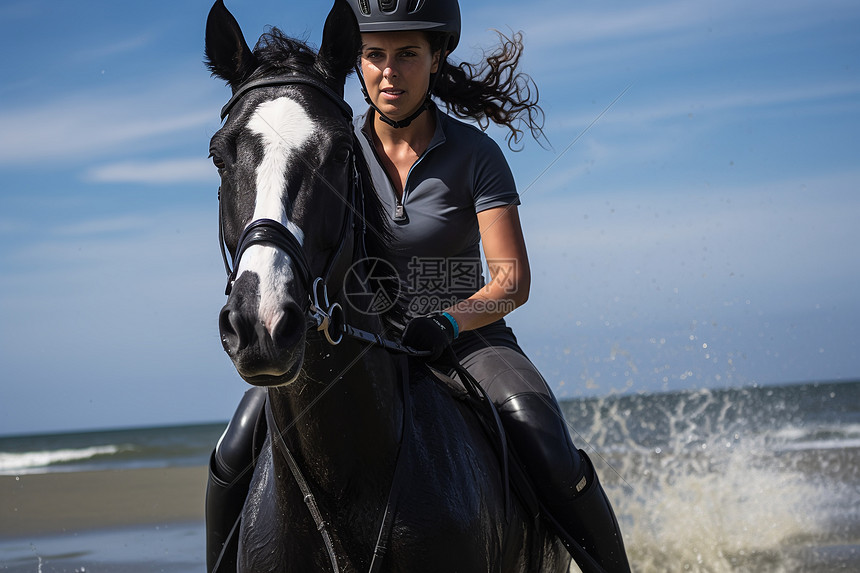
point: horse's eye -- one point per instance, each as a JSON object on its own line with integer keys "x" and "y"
{"x": 342, "y": 154}
{"x": 217, "y": 161}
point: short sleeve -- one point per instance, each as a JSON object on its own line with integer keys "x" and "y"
{"x": 494, "y": 184}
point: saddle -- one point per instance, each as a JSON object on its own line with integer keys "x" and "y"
{"x": 466, "y": 389}
{"x": 457, "y": 381}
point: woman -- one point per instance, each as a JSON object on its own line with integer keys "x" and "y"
{"x": 448, "y": 190}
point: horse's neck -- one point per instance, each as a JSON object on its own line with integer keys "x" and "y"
{"x": 347, "y": 412}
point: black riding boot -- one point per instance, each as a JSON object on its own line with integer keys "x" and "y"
{"x": 230, "y": 470}
{"x": 589, "y": 519}
{"x": 565, "y": 480}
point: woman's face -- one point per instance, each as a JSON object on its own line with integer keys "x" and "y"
{"x": 396, "y": 68}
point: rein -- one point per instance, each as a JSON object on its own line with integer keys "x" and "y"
{"x": 387, "y": 520}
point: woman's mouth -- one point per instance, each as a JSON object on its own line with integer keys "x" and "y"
{"x": 392, "y": 93}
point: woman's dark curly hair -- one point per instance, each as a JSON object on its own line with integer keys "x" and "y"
{"x": 492, "y": 90}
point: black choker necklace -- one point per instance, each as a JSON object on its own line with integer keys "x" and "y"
{"x": 403, "y": 122}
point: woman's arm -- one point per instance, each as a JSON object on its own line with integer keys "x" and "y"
{"x": 510, "y": 276}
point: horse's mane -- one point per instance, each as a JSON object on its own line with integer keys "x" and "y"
{"x": 277, "y": 53}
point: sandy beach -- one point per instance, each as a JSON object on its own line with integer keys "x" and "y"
{"x": 79, "y": 501}
{"x": 771, "y": 486}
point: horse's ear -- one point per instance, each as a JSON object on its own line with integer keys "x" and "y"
{"x": 341, "y": 43}
{"x": 227, "y": 54}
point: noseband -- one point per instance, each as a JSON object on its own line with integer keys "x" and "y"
{"x": 328, "y": 317}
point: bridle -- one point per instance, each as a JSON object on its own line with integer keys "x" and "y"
{"x": 326, "y": 317}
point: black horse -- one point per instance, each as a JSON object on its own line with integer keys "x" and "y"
{"x": 369, "y": 463}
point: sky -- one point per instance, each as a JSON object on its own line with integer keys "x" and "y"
{"x": 693, "y": 223}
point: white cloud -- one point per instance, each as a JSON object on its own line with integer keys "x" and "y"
{"x": 682, "y": 105}
{"x": 197, "y": 170}
{"x": 559, "y": 22}
{"x": 575, "y": 45}
{"x": 106, "y": 226}
{"x": 126, "y": 44}
{"x": 98, "y": 122}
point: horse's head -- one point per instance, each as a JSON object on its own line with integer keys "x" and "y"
{"x": 285, "y": 156}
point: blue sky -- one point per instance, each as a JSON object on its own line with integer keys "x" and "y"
{"x": 701, "y": 233}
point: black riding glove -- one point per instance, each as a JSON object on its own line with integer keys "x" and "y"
{"x": 432, "y": 333}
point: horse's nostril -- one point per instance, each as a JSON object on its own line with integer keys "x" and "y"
{"x": 238, "y": 319}
{"x": 234, "y": 330}
{"x": 288, "y": 330}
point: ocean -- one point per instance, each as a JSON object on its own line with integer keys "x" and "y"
{"x": 763, "y": 479}
{"x": 163, "y": 446}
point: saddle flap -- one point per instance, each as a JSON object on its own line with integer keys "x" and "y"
{"x": 454, "y": 387}
{"x": 517, "y": 479}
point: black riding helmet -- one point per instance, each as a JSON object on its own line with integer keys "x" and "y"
{"x": 400, "y": 15}
{"x": 437, "y": 16}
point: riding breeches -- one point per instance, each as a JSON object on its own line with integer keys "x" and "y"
{"x": 530, "y": 415}
{"x": 564, "y": 477}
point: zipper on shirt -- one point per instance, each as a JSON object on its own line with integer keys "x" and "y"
{"x": 399, "y": 208}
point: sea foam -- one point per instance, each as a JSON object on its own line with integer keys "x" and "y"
{"x": 41, "y": 461}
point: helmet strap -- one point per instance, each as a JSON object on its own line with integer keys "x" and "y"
{"x": 426, "y": 104}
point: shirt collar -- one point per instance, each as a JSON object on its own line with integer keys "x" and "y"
{"x": 366, "y": 123}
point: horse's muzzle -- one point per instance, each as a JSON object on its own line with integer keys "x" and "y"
{"x": 266, "y": 350}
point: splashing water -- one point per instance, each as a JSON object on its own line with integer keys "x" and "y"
{"x": 734, "y": 480}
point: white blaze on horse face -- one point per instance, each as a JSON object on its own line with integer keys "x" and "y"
{"x": 283, "y": 126}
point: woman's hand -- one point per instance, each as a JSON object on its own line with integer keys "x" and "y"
{"x": 432, "y": 333}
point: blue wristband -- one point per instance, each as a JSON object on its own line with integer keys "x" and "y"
{"x": 453, "y": 323}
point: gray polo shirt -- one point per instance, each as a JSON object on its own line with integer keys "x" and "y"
{"x": 436, "y": 247}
